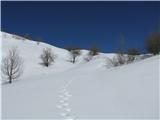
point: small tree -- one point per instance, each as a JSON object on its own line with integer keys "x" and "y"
{"x": 12, "y": 65}
{"x": 47, "y": 57}
{"x": 74, "y": 54}
{"x": 132, "y": 54}
{"x": 153, "y": 43}
{"x": 93, "y": 50}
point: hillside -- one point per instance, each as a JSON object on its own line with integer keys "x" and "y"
{"x": 84, "y": 90}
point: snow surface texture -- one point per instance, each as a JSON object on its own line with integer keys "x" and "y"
{"x": 84, "y": 90}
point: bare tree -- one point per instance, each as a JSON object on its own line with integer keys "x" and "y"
{"x": 94, "y": 50}
{"x": 153, "y": 43}
{"x": 47, "y": 57}
{"x": 131, "y": 54}
{"x": 12, "y": 65}
{"x": 74, "y": 54}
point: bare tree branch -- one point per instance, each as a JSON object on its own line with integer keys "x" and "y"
{"x": 12, "y": 65}
{"x": 74, "y": 54}
{"x": 47, "y": 57}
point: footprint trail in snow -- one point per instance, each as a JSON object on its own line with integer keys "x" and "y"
{"x": 64, "y": 106}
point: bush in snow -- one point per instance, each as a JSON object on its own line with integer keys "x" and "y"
{"x": 119, "y": 59}
{"x": 88, "y": 58}
{"x": 12, "y": 65}
{"x": 93, "y": 50}
{"x": 111, "y": 62}
{"x": 153, "y": 43}
{"x": 47, "y": 57}
{"x": 74, "y": 54}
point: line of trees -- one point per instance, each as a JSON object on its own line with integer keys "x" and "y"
{"x": 123, "y": 56}
{"x": 12, "y": 63}
{"x": 75, "y": 52}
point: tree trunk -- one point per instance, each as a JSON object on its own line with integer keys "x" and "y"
{"x": 10, "y": 79}
{"x": 74, "y": 59}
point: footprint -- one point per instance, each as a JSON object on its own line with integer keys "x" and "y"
{"x": 67, "y": 94}
{"x": 70, "y": 118}
{"x": 64, "y": 114}
{"x": 59, "y": 106}
{"x": 66, "y": 98}
{"x": 67, "y": 109}
{"x": 66, "y": 104}
{"x": 63, "y": 90}
{"x": 62, "y": 101}
{"x": 61, "y": 96}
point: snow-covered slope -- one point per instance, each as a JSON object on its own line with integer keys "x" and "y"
{"x": 85, "y": 90}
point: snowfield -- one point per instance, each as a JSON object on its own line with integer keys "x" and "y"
{"x": 84, "y": 90}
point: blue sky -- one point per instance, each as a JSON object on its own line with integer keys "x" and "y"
{"x": 83, "y": 23}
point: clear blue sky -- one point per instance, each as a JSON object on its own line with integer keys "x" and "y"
{"x": 83, "y": 23}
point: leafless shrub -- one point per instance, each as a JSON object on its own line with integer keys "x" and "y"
{"x": 118, "y": 59}
{"x": 112, "y": 62}
{"x": 47, "y": 57}
{"x": 12, "y": 65}
{"x": 121, "y": 58}
{"x": 88, "y": 58}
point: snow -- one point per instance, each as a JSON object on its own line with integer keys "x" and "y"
{"x": 84, "y": 90}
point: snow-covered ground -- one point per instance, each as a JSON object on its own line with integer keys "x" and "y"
{"x": 84, "y": 90}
